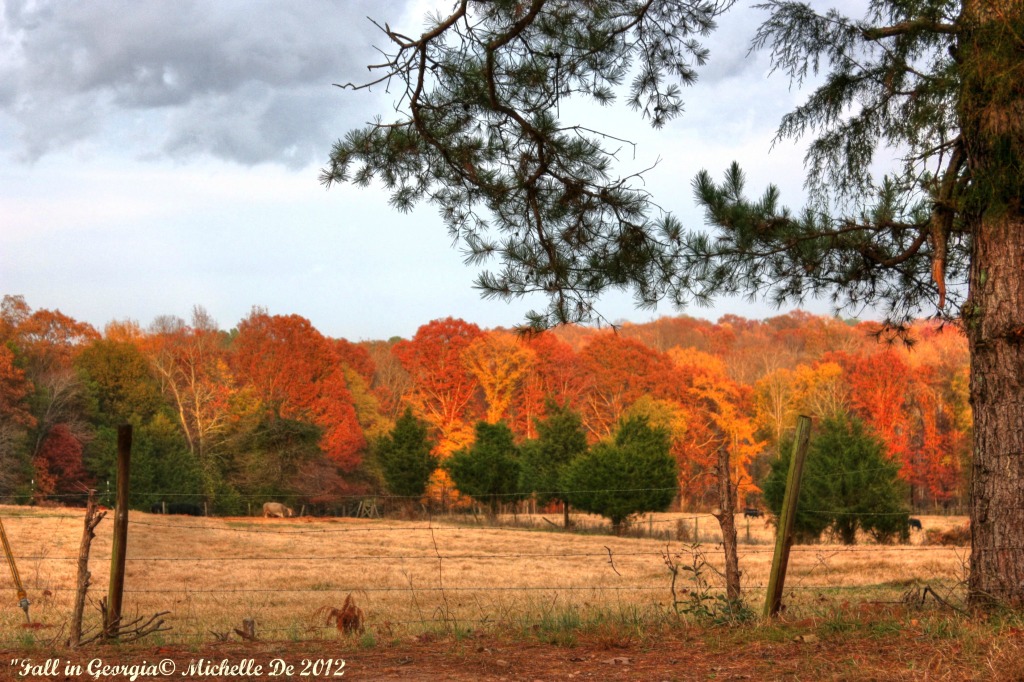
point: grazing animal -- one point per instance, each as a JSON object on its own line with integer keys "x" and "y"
{"x": 276, "y": 509}
{"x": 914, "y": 523}
{"x": 752, "y": 513}
{"x": 184, "y": 508}
{"x": 157, "y": 508}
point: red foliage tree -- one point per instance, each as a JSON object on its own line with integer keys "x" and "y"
{"x": 621, "y": 370}
{"x": 58, "y": 464}
{"x": 555, "y": 375}
{"x": 880, "y": 384}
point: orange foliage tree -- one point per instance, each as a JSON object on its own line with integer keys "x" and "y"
{"x": 444, "y": 391}
{"x": 554, "y": 375}
{"x": 720, "y": 415}
{"x": 297, "y": 373}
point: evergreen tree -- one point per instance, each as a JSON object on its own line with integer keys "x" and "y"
{"x": 487, "y": 471}
{"x": 934, "y": 84}
{"x": 848, "y": 484}
{"x": 631, "y": 475}
{"x": 560, "y": 440}
{"x": 406, "y": 458}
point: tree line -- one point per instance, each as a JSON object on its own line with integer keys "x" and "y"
{"x": 274, "y": 409}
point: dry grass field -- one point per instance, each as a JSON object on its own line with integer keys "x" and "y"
{"x": 420, "y": 576}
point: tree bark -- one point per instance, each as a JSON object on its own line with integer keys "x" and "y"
{"x": 92, "y": 519}
{"x": 726, "y": 516}
{"x": 994, "y": 328}
{"x": 992, "y": 120}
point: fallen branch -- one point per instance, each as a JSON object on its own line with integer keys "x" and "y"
{"x": 130, "y": 631}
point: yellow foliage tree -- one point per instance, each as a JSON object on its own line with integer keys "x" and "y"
{"x": 498, "y": 361}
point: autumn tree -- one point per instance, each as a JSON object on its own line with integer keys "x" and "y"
{"x": 16, "y": 420}
{"x": 443, "y": 390}
{"x": 191, "y": 364}
{"x": 499, "y": 361}
{"x": 391, "y": 382}
{"x": 120, "y": 378}
{"x": 488, "y": 470}
{"x": 122, "y": 389}
{"x": 360, "y": 370}
{"x": 620, "y": 371}
{"x": 298, "y": 374}
{"x": 555, "y": 375}
{"x": 44, "y": 345}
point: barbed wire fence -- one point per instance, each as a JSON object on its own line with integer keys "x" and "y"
{"x": 455, "y": 571}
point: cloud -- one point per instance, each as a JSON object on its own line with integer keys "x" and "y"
{"x": 244, "y": 81}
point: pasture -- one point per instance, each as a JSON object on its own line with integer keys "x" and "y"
{"x": 411, "y": 577}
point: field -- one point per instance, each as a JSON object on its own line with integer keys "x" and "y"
{"x": 416, "y": 581}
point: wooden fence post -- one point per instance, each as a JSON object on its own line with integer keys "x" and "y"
{"x": 23, "y": 601}
{"x": 92, "y": 519}
{"x": 120, "y": 545}
{"x": 784, "y": 531}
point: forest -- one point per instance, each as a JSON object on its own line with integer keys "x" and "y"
{"x": 272, "y": 409}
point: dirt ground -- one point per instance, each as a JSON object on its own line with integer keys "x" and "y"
{"x": 888, "y": 649}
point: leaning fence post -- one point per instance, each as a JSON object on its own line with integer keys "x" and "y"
{"x": 119, "y": 548}
{"x": 784, "y": 530}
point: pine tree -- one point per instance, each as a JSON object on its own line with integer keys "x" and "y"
{"x": 406, "y": 457}
{"x": 488, "y": 470}
{"x": 560, "y": 440}
{"x": 633, "y": 474}
{"x": 935, "y": 84}
{"x": 848, "y": 484}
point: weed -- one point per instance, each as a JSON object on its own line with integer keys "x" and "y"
{"x": 702, "y": 601}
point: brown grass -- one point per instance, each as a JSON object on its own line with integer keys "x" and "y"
{"x": 412, "y": 576}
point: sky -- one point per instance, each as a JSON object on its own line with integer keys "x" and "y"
{"x": 159, "y": 155}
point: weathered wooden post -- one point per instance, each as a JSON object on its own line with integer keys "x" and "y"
{"x": 23, "y": 601}
{"x": 784, "y": 531}
{"x": 119, "y": 548}
{"x": 92, "y": 519}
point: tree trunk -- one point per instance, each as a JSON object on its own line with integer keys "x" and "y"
{"x": 726, "y": 516}
{"x": 992, "y": 127}
{"x": 994, "y": 326}
{"x": 92, "y": 519}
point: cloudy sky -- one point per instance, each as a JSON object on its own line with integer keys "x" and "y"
{"x": 155, "y": 155}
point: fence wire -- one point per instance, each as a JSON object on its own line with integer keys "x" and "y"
{"x": 613, "y": 572}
